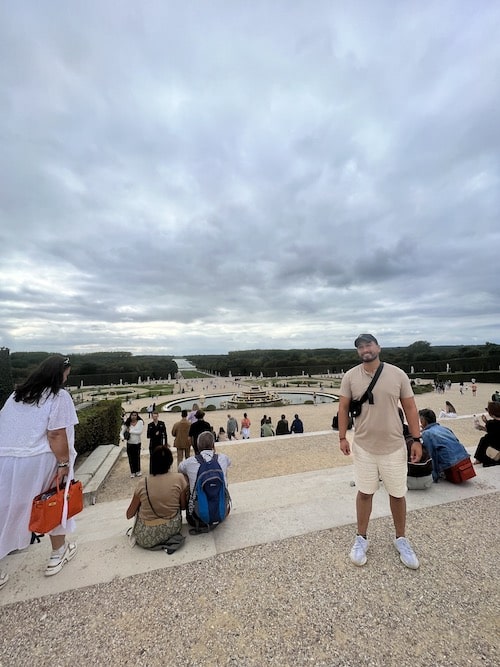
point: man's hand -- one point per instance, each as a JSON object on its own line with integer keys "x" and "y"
{"x": 415, "y": 452}
{"x": 345, "y": 447}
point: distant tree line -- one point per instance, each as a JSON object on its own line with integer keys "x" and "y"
{"x": 420, "y": 355}
{"x": 418, "y": 359}
{"x": 99, "y": 367}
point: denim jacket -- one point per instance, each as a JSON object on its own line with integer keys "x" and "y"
{"x": 444, "y": 448}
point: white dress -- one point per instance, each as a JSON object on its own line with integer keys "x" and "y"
{"x": 28, "y": 465}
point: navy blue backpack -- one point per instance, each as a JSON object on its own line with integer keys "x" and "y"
{"x": 209, "y": 503}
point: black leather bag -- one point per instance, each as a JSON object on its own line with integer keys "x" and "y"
{"x": 355, "y": 406}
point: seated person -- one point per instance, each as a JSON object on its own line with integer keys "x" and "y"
{"x": 266, "y": 430}
{"x": 449, "y": 411}
{"x": 442, "y": 444}
{"x": 189, "y": 467}
{"x": 335, "y": 422}
{"x": 222, "y": 436}
{"x": 282, "y": 426}
{"x": 488, "y": 448}
{"x": 158, "y": 501}
{"x": 297, "y": 425}
{"x": 419, "y": 475}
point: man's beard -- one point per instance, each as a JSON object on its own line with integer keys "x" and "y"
{"x": 369, "y": 356}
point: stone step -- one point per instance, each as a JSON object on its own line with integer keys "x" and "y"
{"x": 95, "y": 468}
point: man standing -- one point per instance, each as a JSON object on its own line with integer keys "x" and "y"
{"x": 156, "y": 434}
{"x": 199, "y": 426}
{"x": 182, "y": 442}
{"x": 379, "y": 448}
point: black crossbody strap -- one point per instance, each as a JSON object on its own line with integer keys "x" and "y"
{"x": 149, "y": 500}
{"x": 368, "y": 395}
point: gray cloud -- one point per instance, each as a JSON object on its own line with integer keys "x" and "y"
{"x": 181, "y": 178}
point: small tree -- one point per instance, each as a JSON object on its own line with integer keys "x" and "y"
{"x": 6, "y": 383}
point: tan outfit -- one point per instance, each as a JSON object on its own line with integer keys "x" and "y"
{"x": 164, "y": 492}
{"x": 182, "y": 441}
{"x": 378, "y": 428}
{"x": 155, "y": 526}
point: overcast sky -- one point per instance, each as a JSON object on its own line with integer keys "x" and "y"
{"x": 200, "y": 177}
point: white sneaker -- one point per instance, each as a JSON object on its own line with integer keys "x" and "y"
{"x": 358, "y": 551}
{"x": 56, "y": 562}
{"x": 138, "y": 474}
{"x": 4, "y": 578}
{"x": 132, "y": 475}
{"x": 406, "y": 553}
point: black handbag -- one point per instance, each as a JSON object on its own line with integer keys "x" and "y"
{"x": 355, "y": 406}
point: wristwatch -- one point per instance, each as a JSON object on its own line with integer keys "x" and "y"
{"x": 419, "y": 439}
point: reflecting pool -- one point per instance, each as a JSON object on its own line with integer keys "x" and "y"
{"x": 219, "y": 401}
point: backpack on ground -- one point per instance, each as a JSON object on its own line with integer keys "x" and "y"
{"x": 210, "y": 501}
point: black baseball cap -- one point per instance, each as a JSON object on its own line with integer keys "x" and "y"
{"x": 365, "y": 338}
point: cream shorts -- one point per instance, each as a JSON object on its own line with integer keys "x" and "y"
{"x": 390, "y": 468}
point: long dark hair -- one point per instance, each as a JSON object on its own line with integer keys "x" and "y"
{"x": 128, "y": 421}
{"x": 161, "y": 460}
{"x": 48, "y": 376}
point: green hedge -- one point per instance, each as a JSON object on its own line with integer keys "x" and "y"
{"x": 423, "y": 388}
{"x": 100, "y": 424}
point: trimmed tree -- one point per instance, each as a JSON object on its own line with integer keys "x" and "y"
{"x": 6, "y": 384}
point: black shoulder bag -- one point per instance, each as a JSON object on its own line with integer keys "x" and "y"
{"x": 355, "y": 406}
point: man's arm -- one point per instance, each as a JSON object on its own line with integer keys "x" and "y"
{"x": 411, "y": 413}
{"x": 344, "y": 403}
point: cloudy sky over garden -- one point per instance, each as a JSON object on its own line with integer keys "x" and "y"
{"x": 199, "y": 177}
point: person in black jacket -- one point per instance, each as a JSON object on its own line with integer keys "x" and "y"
{"x": 199, "y": 426}
{"x": 282, "y": 426}
{"x": 156, "y": 434}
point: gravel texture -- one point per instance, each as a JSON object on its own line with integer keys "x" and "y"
{"x": 295, "y": 602}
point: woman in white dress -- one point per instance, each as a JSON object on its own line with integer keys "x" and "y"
{"x": 36, "y": 445}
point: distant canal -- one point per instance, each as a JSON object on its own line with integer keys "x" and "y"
{"x": 292, "y": 398}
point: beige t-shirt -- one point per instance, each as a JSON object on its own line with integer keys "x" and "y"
{"x": 378, "y": 429}
{"x": 164, "y": 492}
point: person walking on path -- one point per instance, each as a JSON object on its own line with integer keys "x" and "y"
{"x": 245, "y": 427}
{"x": 379, "y": 448}
{"x": 232, "y": 427}
{"x": 37, "y": 434}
